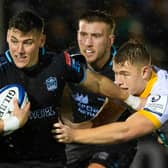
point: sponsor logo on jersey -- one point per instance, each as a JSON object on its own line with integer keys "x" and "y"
{"x": 156, "y": 104}
{"x": 51, "y": 83}
{"x": 82, "y": 102}
{"x": 42, "y": 113}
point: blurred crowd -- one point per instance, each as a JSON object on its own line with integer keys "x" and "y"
{"x": 138, "y": 19}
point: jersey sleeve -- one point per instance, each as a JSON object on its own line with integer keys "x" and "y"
{"x": 156, "y": 109}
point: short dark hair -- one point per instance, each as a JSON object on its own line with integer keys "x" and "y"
{"x": 134, "y": 52}
{"x": 98, "y": 16}
{"x": 26, "y": 21}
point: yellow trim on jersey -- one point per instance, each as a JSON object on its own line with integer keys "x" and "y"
{"x": 151, "y": 117}
{"x": 146, "y": 93}
{"x": 149, "y": 86}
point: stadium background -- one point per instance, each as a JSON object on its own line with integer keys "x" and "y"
{"x": 145, "y": 20}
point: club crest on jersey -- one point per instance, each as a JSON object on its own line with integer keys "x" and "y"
{"x": 51, "y": 83}
{"x": 81, "y": 98}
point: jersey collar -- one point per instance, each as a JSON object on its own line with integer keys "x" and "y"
{"x": 149, "y": 86}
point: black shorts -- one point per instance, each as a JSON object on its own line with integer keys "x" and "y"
{"x": 80, "y": 155}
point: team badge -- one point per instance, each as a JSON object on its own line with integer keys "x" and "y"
{"x": 156, "y": 104}
{"x": 51, "y": 83}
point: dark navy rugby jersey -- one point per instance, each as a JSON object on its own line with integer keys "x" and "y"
{"x": 44, "y": 84}
{"x": 85, "y": 103}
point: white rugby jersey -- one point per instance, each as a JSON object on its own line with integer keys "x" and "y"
{"x": 156, "y": 91}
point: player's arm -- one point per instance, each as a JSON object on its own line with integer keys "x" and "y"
{"x": 135, "y": 126}
{"x": 110, "y": 111}
{"x": 138, "y": 124}
{"x": 17, "y": 119}
{"x": 65, "y": 114}
{"x": 95, "y": 82}
{"x": 100, "y": 84}
{"x": 66, "y": 111}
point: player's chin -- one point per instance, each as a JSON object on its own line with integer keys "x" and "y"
{"x": 90, "y": 59}
{"x": 21, "y": 64}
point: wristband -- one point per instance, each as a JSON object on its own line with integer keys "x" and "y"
{"x": 11, "y": 123}
{"x": 133, "y": 101}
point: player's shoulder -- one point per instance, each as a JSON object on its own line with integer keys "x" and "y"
{"x": 159, "y": 71}
{"x": 3, "y": 60}
{"x": 162, "y": 73}
{"x": 54, "y": 56}
{"x": 162, "y": 78}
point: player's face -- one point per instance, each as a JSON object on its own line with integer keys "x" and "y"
{"x": 130, "y": 77}
{"x": 95, "y": 41}
{"x": 24, "y": 47}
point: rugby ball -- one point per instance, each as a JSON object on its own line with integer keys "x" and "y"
{"x": 7, "y": 94}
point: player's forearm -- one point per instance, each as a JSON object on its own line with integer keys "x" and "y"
{"x": 110, "y": 111}
{"x": 111, "y": 90}
{"x": 112, "y": 133}
{"x": 82, "y": 125}
{"x": 102, "y": 85}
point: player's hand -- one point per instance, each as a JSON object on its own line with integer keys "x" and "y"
{"x": 75, "y": 63}
{"x": 16, "y": 119}
{"x": 75, "y": 60}
{"x": 65, "y": 121}
{"x": 159, "y": 140}
{"x": 62, "y": 133}
{"x": 21, "y": 114}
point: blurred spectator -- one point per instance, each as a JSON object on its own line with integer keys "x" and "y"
{"x": 155, "y": 23}
{"x": 120, "y": 11}
{"x": 14, "y": 6}
{"x": 136, "y": 32}
{"x": 58, "y": 34}
{"x": 142, "y": 20}
{"x": 153, "y": 15}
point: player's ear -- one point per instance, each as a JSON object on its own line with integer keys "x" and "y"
{"x": 7, "y": 36}
{"x": 145, "y": 72}
{"x": 111, "y": 39}
{"x": 42, "y": 40}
